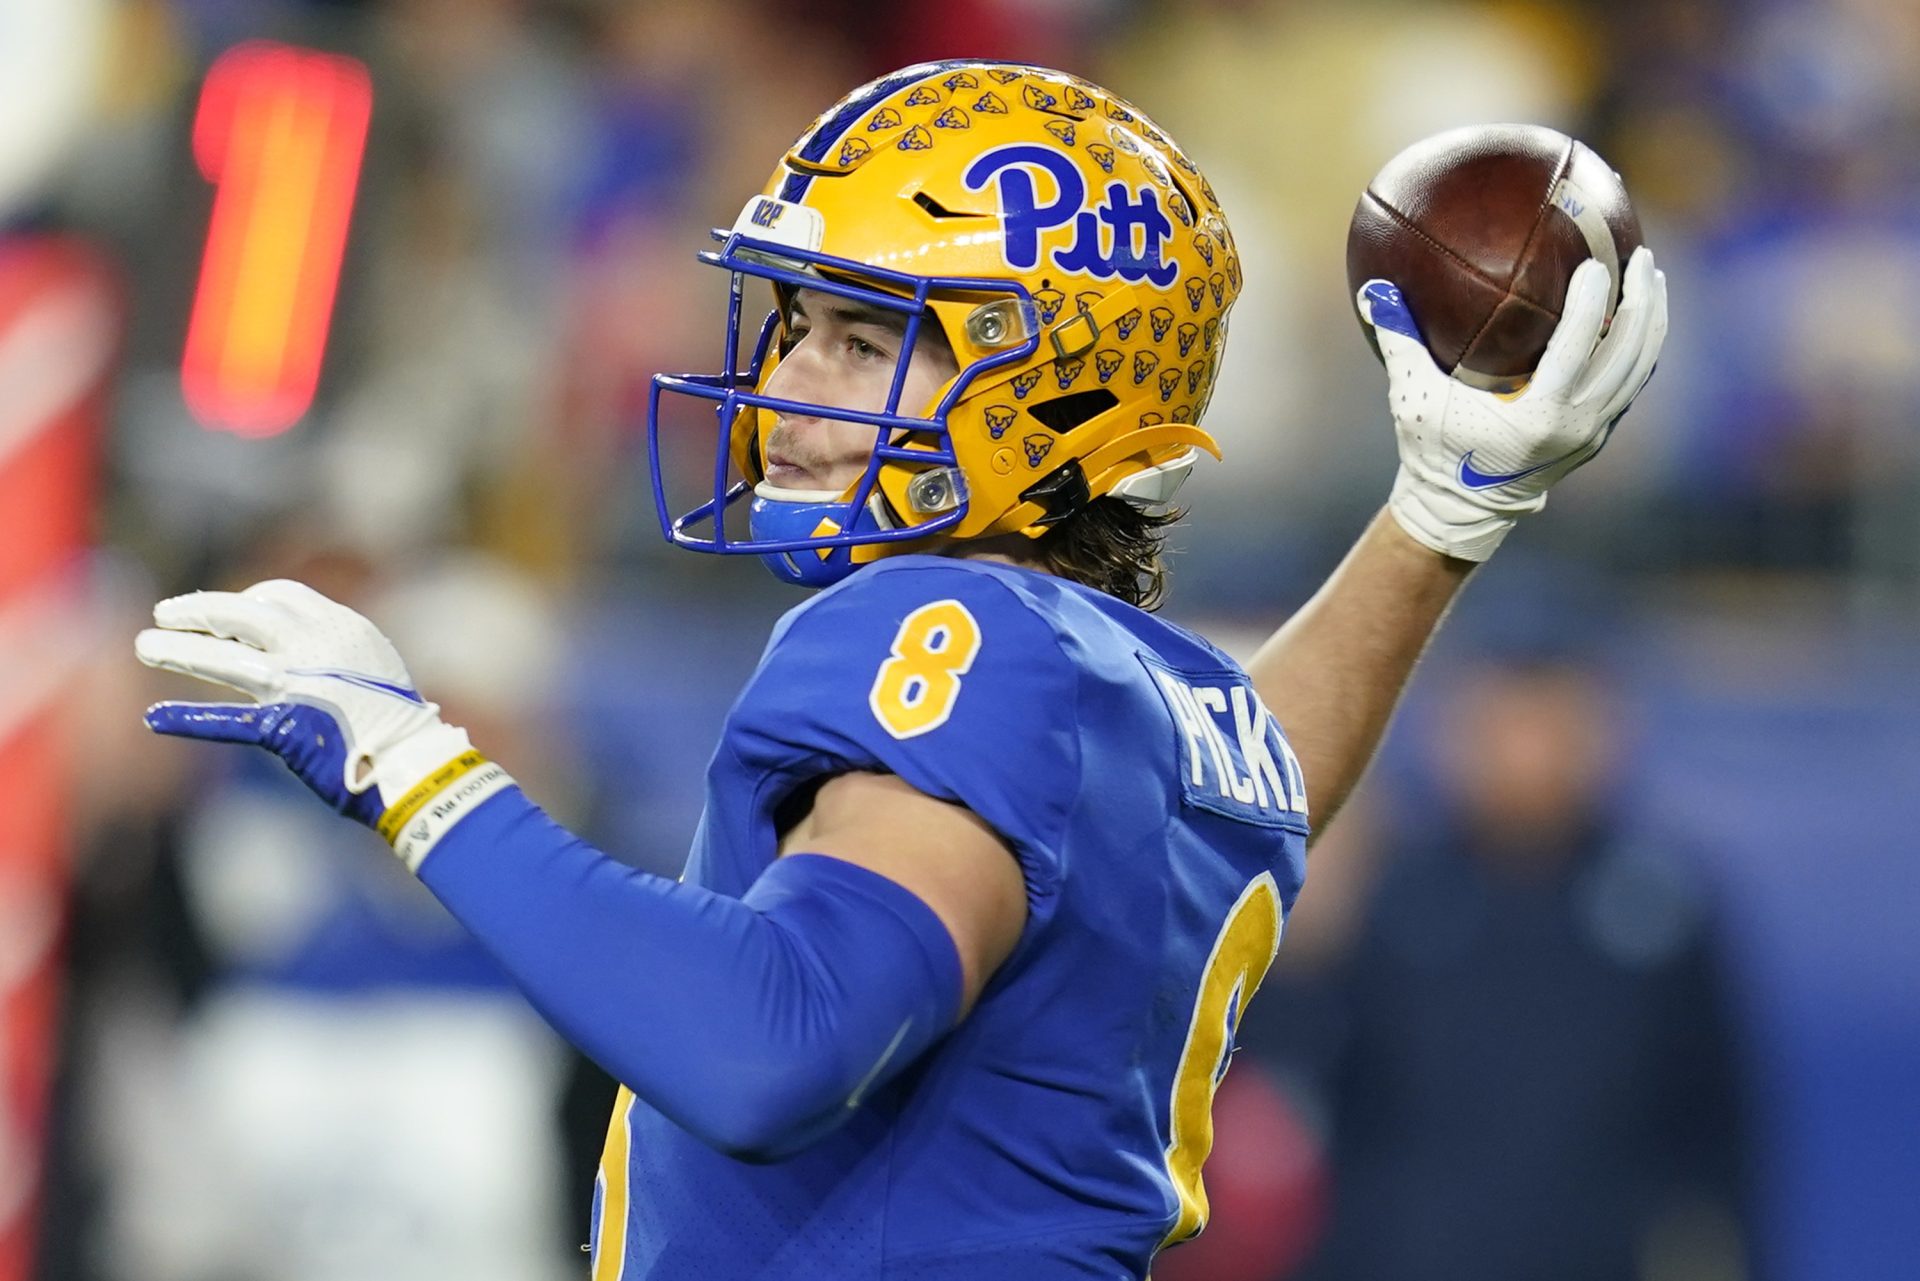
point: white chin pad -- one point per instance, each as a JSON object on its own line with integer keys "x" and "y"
{"x": 1156, "y": 485}
{"x": 775, "y": 493}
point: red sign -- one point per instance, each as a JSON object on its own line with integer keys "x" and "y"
{"x": 60, "y": 320}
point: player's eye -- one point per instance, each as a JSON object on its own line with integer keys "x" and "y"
{"x": 861, "y": 349}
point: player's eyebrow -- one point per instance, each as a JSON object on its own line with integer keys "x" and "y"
{"x": 848, "y": 312}
{"x": 857, "y": 313}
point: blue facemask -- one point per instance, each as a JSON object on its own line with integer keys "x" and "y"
{"x": 788, "y": 535}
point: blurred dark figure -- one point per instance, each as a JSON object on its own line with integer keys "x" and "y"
{"x": 1515, "y": 1038}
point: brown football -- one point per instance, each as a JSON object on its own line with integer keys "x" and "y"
{"x": 1481, "y": 229}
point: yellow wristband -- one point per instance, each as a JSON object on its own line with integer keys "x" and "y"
{"x": 424, "y": 791}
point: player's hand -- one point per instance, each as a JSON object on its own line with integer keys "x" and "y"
{"x": 330, "y": 695}
{"x": 1471, "y": 461}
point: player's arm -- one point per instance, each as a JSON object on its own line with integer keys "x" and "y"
{"x": 758, "y": 1023}
{"x": 941, "y": 853}
{"x": 1334, "y": 672}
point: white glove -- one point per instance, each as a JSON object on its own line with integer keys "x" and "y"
{"x": 333, "y": 700}
{"x": 1472, "y": 462}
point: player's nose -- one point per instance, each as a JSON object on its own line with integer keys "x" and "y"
{"x": 798, "y": 377}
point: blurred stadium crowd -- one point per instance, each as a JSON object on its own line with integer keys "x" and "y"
{"x": 1609, "y": 974}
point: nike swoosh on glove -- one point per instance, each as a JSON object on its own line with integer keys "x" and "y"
{"x": 1473, "y": 462}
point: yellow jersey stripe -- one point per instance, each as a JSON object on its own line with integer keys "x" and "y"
{"x": 610, "y": 1243}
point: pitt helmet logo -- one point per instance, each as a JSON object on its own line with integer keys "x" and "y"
{"x": 999, "y": 418}
{"x": 1037, "y": 98}
{"x": 1123, "y": 234}
{"x": 1048, "y": 301}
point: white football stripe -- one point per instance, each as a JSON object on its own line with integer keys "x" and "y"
{"x": 50, "y": 356}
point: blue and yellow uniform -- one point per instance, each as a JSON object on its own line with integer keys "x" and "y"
{"x": 1160, "y": 825}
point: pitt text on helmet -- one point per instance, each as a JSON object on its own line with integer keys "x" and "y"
{"x": 1120, "y": 236}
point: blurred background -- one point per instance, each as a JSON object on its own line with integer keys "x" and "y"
{"x": 1610, "y": 972}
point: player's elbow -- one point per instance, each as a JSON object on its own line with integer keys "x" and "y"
{"x": 770, "y": 1115}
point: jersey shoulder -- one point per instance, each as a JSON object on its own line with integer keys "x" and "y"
{"x": 882, "y": 591}
{"x": 944, "y": 672}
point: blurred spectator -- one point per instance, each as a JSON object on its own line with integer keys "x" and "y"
{"x": 1517, "y": 1038}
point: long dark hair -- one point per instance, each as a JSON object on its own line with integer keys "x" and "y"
{"x": 1113, "y": 546}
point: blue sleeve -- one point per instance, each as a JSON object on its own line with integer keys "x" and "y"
{"x": 1008, "y": 747}
{"x": 756, "y": 1024}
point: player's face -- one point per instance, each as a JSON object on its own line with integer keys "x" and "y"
{"x": 843, "y": 353}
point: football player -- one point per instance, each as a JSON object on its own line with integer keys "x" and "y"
{"x": 992, "y": 858}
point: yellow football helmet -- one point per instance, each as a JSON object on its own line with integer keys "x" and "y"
{"x": 1075, "y": 260}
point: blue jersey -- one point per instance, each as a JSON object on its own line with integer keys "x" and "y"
{"x": 1159, "y": 820}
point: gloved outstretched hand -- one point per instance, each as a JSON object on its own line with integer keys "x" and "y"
{"x": 331, "y": 698}
{"x": 1472, "y": 462}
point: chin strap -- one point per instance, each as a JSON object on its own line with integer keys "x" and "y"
{"x": 771, "y": 516}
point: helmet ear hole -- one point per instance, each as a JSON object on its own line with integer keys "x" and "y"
{"x": 1062, "y": 493}
{"x": 1063, "y": 413}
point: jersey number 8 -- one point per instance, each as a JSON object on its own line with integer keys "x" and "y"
{"x": 915, "y": 689}
{"x": 1241, "y": 954}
